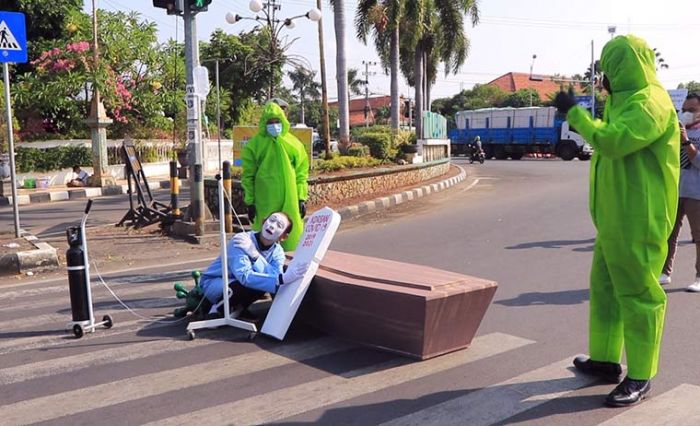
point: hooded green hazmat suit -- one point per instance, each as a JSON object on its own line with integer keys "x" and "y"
{"x": 275, "y": 174}
{"x": 633, "y": 201}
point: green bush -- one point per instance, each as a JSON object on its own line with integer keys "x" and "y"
{"x": 345, "y": 162}
{"x": 358, "y": 150}
{"x": 379, "y": 144}
{"x": 57, "y": 158}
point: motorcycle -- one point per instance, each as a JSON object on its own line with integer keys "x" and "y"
{"x": 477, "y": 155}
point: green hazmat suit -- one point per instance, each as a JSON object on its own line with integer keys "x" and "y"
{"x": 633, "y": 201}
{"x": 275, "y": 174}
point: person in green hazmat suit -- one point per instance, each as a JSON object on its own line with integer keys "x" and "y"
{"x": 275, "y": 174}
{"x": 633, "y": 201}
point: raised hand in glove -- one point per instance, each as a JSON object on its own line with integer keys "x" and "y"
{"x": 565, "y": 101}
{"x": 294, "y": 272}
{"x": 302, "y": 208}
{"x": 242, "y": 241}
{"x": 251, "y": 213}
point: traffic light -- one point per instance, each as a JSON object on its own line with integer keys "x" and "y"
{"x": 199, "y": 5}
{"x": 174, "y": 7}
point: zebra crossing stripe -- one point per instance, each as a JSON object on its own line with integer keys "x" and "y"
{"x": 678, "y": 407}
{"x": 54, "y": 338}
{"x": 308, "y": 396}
{"x": 59, "y": 302}
{"x": 121, "y": 353}
{"x": 104, "y": 395}
{"x": 498, "y": 402}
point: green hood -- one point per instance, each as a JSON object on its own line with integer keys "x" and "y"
{"x": 272, "y": 110}
{"x": 629, "y": 64}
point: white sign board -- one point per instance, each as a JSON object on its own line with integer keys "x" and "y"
{"x": 678, "y": 97}
{"x": 319, "y": 231}
{"x": 201, "y": 81}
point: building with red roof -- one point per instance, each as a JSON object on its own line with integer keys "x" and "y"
{"x": 514, "y": 81}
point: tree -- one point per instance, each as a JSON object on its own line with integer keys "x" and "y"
{"x": 437, "y": 36}
{"x": 692, "y": 86}
{"x": 46, "y": 21}
{"x": 325, "y": 128}
{"x": 355, "y": 83}
{"x": 341, "y": 72}
{"x": 480, "y": 96}
{"x": 244, "y": 71}
{"x": 306, "y": 86}
{"x": 382, "y": 19}
{"x": 59, "y": 88}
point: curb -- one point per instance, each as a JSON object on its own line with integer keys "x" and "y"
{"x": 387, "y": 202}
{"x": 72, "y": 194}
{"x": 44, "y": 258}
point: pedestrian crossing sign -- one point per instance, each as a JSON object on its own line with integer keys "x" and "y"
{"x": 13, "y": 37}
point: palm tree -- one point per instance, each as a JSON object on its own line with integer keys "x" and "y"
{"x": 306, "y": 86}
{"x": 326, "y": 135}
{"x": 341, "y": 73}
{"x": 355, "y": 83}
{"x": 382, "y": 19}
{"x": 437, "y": 36}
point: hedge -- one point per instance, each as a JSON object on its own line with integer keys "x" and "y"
{"x": 57, "y": 158}
{"x": 358, "y": 150}
{"x": 65, "y": 157}
{"x": 345, "y": 162}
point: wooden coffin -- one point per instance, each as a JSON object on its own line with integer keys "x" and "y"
{"x": 412, "y": 310}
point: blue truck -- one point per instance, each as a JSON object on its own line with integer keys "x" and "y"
{"x": 514, "y": 132}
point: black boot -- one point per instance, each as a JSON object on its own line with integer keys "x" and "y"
{"x": 629, "y": 392}
{"x": 610, "y": 371}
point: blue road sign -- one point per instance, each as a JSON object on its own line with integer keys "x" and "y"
{"x": 13, "y": 37}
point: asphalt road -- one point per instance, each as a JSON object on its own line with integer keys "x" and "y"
{"x": 524, "y": 224}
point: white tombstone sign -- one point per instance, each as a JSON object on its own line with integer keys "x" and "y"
{"x": 319, "y": 231}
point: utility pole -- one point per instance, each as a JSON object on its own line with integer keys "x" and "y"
{"x": 195, "y": 152}
{"x": 367, "y": 74}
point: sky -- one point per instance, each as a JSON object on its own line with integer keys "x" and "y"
{"x": 510, "y": 32}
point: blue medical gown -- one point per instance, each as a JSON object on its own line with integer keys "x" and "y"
{"x": 261, "y": 275}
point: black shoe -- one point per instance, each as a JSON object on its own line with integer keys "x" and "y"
{"x": 610, "y": 371}
{"x": 629, "y": 392}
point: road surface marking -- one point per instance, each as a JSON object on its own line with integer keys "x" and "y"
{"x": 294, "y": 400}
{"x": 498, "y": 402}
{"x": 120, "y": 353}
{"x": 119, "y": 391}
{"x": 678, "y": 407}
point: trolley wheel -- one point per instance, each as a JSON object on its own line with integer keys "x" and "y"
{"x": 78, "y": 331}
{"x": 108, "y": 322}
{"x": 252, "y": 335}
{"x": 190, "y": 335}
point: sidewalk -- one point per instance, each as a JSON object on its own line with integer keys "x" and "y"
{"x": 63, "y": 193}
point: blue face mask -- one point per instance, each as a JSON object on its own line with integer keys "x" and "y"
{"x": 274, "y": 130}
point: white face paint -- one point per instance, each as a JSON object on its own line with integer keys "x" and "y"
{"x": 274, "y": 227}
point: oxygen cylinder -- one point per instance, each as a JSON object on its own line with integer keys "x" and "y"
{"x": 77, "y": 278}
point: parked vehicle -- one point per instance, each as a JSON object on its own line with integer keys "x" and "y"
{"x": 514, "y": 132}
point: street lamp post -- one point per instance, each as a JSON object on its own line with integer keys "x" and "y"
{"x": 274, "y": 24}
{"x": 532, "y": 65}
